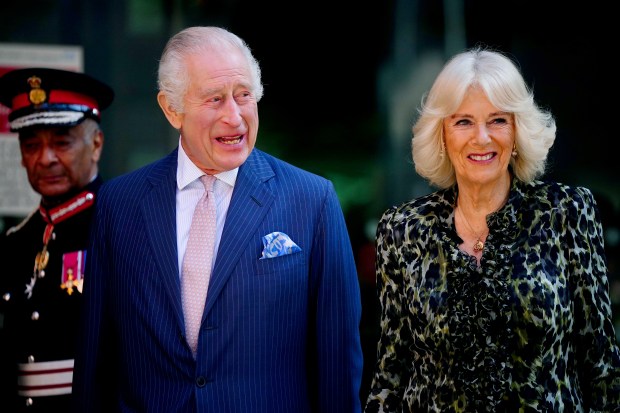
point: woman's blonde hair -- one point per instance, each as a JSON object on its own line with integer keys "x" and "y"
{"x": 502, "y": 82}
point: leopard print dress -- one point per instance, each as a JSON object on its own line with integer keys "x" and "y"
{"x": 528, "y": 330}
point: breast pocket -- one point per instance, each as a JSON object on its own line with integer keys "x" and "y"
{"x": 283, "y": 264}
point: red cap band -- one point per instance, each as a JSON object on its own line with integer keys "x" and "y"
{"x": 57, "y": 96}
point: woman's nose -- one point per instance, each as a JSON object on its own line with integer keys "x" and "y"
{"x": 482, "y": 132}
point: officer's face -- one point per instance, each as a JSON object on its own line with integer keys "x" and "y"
{"x": 59, "y": 160}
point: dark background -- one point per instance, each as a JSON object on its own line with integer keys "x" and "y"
{"x": 342, "y": 84}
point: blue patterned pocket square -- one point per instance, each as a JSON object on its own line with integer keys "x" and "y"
{"x": 278, "y": 243}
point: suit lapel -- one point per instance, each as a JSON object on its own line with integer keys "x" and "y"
{"x": 250, "y": 202}
{"x": 159, "y": 210}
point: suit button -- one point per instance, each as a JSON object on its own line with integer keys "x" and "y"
{"x": 29, "y": 401}
{"x": 201, "y": 381}
{"x": 35, "y": 316}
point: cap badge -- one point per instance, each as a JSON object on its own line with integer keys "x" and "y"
{"x": 36, "y": 95}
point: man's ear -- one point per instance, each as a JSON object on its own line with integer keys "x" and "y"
{"x": 172, "y": 115}
{"x": 97, "y": 144}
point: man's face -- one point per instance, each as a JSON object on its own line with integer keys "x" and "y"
{"x": 59, "y": 160}
{"x": 219, "y": 123}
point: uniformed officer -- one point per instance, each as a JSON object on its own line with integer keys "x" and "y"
{"x": 56, "y": 114}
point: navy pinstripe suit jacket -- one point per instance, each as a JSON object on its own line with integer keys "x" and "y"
{"x": 278, "y": 335}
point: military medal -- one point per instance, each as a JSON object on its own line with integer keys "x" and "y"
{"x": 40, "y": 262}
{"x": 72, "y": 278}
{"x": 68, "y": 284}
{"x": 42, "y": 258}
{"x": 73, "y": 271}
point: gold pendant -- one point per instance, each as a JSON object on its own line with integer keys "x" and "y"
{"x": 40, "y": 262}
{"x": 478, "y": 246}
{"x": 69, "y": 284}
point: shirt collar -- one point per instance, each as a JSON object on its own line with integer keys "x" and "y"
{"x": 188, "y": 172}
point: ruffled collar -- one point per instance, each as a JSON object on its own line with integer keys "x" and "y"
{"x": 480, "y": 303}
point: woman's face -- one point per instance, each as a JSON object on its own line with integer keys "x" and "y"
{"x": 479, "y": 139}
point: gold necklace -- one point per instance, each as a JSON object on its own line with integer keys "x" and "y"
{"x": 479, "y": 244}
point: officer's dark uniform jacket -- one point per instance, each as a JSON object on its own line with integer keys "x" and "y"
{"x": 41, "y": 306}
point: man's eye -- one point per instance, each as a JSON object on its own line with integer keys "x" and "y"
{"x": 29, "y": 146}
{"x": 243, "y": 96}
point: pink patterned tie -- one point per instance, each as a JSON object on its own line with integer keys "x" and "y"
{"x": 197, "y": 262}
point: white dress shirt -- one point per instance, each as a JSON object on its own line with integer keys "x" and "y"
{"x": 190, "y": 190}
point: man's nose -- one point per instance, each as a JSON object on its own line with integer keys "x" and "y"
{"x": 232, "y": 113}
{"x": 47, "y": 155}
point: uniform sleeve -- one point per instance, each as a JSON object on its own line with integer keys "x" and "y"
{"x": 597, "y": 351}
{"x": 390, "y": 372}
{"x": 8, "y": 373}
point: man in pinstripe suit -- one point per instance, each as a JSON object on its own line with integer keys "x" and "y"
{"x": 280, "y": 327}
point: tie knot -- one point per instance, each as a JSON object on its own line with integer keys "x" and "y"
{"x": 208, "y": 181}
